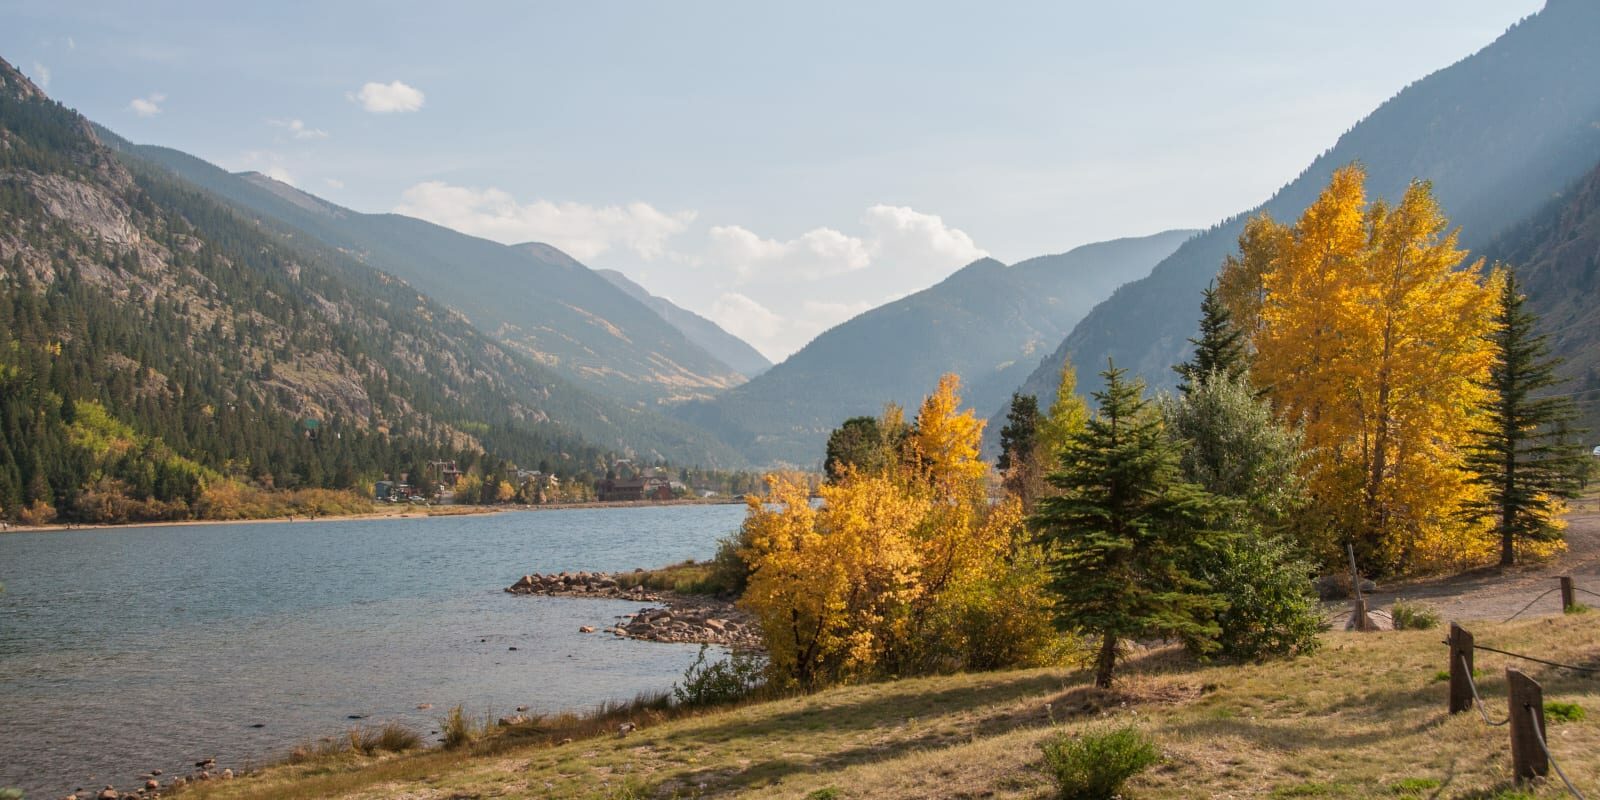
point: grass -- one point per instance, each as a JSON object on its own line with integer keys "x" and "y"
{"x": 1359, "y": 718}
{"x": 689, "y": 577}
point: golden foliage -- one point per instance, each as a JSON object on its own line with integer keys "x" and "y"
{"x": 902, "y": 570}
{"x": 1371, "y": 336}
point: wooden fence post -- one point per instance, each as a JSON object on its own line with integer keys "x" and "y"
{"x": 1460, "y": 669}
{"x": 1569, "y": 597}
{"x": 1527, "y": 757}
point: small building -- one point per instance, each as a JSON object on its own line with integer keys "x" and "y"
{"x": 393, "y": 491}
{"x": 643, "y": 487}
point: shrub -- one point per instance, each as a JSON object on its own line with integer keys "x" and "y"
{"x": 1094, "y": 766}
{"x": 828, "y": 793}
{"x": 10, "y": 794}
{"x": 1409, "y": 616}
{"x": 726, "y": 681}
{"x": 459, "y": 730}
{"x": 1271, "y": 608}
{"x": 1563, "y": 712}
{"x": 1576, "y": 608}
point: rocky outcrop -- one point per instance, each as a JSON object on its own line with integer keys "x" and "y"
{"x": 680, "y": 618}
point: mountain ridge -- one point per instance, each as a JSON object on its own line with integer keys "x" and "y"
{"x": 1498, "y": 132}
{"x": 726, "y": 347}
{"x": 987, "y": 322}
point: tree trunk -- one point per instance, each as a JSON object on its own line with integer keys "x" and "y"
{"x": 1106, "y": 662}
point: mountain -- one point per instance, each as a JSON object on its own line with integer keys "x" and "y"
{"x": 987, "y": 322}
{"x": 727, "y": 348}
{"x": 539, "y": 301}
{"x": 1498, "y": 134}
{"x": 153, "y": 341}
{"x": 1556, "y": 253}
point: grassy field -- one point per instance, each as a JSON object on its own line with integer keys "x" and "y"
{"x": 1363, "y": 717}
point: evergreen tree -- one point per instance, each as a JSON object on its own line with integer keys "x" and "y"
{"x": 857, "y": 443}
{"x": 1220, "y": 348}
{"x": 1125, "y": 530}
{"x": 1021, "y": 430}
{"x": 1523, "y": 456}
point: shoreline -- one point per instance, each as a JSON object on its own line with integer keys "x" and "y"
{"x": 398, "y": 512}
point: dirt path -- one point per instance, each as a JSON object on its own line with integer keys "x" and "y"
{"x": 1496, "y": 594}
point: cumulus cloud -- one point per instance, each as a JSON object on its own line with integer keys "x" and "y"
{"x": 298, "y": 129}
{"x": 147, "y": 106}
{"x": 582, "y": 230}
{"x": 814, "y": 254}
{"x": 41, "y": 75}
{"x": 746, "y": 318}
{"x": 907, "y": 235}
{"x": 388, "y": 98}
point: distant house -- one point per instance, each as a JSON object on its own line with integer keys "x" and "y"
{"x": 393, "y": 491}
{"x": 643, "y": 487}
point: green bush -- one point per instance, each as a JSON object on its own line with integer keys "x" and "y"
{"x": 1094, "y": 766}
{"x": 1409, "y": 616}
{"x": 727, "y": 681}
{"x": 828, "y": 793}
{"x": 1271, "y": 609}
{"x": 10, "y": 794}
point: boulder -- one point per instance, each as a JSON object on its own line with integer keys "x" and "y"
{"x": 515, "y": 719}
{"x": 227, "y": 774}
{"x": 108, "y": 793}
{"x": 586, "y": 629}
{"x": 152, "y": 785}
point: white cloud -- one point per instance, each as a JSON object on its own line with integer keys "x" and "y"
{"x": 582, "y": 230}
{"x": 41, "y": 75}
{"x": 907, "y": 235}
{"x": 746, "y": 319}
{"x": 298, "y": 129}
{"x": 333, "y": 183}
{"x": 386, "y": 98}
{"x": 149, "y": 105}
{"x": 814, "y": 254}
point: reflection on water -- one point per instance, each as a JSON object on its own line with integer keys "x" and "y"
{"x": 128, "y": 650}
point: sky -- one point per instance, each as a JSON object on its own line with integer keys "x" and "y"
{"x": 777, "y": 167}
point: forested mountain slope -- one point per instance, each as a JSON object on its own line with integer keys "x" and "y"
{"x": 541, "y": 301}
{"x": 987, "y": 322}
{"x": 153, "y": 339}
{"x": 1556, "y": 253}
{"x": 729, "y": 349}
{"x": 1498, "y": 133}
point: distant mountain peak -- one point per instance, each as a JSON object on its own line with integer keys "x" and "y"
{"x": 549, "y": 253}
{"x": 17, "y": 85}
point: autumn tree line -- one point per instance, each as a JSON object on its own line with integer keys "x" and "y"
{"x": 1356, "y": 385}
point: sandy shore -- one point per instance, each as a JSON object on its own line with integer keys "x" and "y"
{"x": 378, "y": 512}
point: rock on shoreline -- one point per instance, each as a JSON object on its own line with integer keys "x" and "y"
{"x": 680, "y": 618}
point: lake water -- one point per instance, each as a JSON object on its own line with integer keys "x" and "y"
{"x": 133, "y": 649}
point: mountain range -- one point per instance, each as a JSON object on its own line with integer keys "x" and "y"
{"x": 988, "y": 322}
{"x": 1498, "y": 133}
{"x": 726, "y": 347}
{"x": 534, "y": 298}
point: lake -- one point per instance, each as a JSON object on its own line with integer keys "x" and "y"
{"x": 126, "y": 650}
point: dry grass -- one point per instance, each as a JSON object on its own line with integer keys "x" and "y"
{"x": 1363, "y": 717}
{"x": 688, "y": 577}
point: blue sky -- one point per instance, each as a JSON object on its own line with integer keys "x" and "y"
{"x": 778, "y": 167}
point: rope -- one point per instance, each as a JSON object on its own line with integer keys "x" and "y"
{"x": 1539, "y": 736}
{"x": 1482, "y": 712}
{"x": 1537, "y": 660}
{"x": 1529, "y": 605}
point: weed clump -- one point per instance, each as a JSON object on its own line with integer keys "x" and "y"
{"x": 1409, "y": 616}
{"x": 1563, "y": 712}
{"x": 1094, "y": 766}
{"x": 727, "y": 681}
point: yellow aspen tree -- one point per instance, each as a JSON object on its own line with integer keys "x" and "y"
{"x": 1066, "y": 417}
{"x": 1371, "y": 337}
{"x": 1240, "y": 284}
{"x": 947, "y": 441}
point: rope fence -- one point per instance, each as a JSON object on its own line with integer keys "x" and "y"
{"x": 1530, "y": 750}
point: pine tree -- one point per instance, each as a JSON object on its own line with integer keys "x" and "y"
{"x": 1523, "y": 456}
{"x": 1125, "y": 529}
{"x": 1220, "y": 348}
{"x": 1021, "y": 430}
